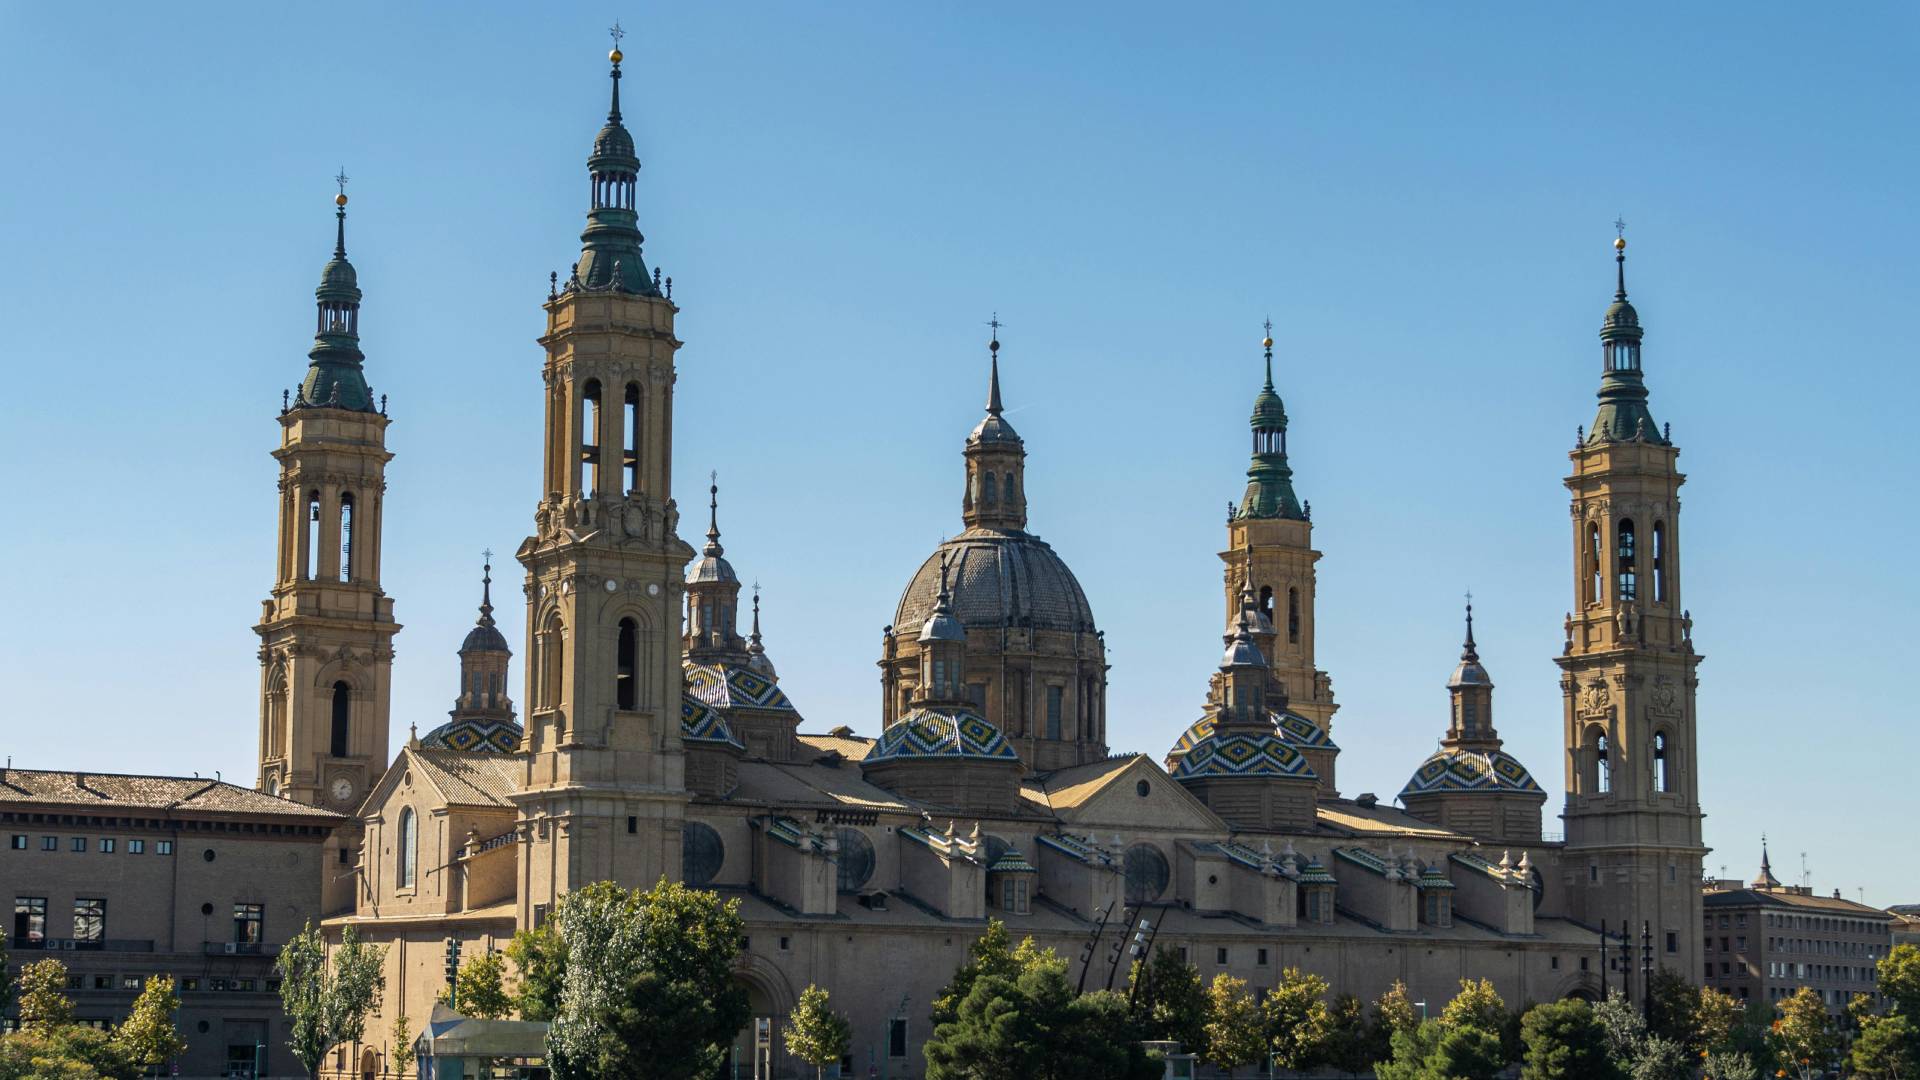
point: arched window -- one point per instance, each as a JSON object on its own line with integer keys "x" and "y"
{"x": 1659, "y": 562}
{"x": 1662, "y": 762}
{"x": 1266, "y": 602}
{"x": 346, "y": 536}
{"x": 1628, "y": 573}
{"x": 1012, "y": 499}
{"x": 1595, "y": 558}
{"x": 1293, "y": 616}
{"x": 407, "y": 857}
{"x": 276, "y": 714}
{"x": 1604, "y": 768}
{"x": 627, "y": 665}
{"x": 342, "y": 713}
{"x": 590, "y": 438}
{"x": 631, "y": 456}
{"x": 555, "y": 661}
{"x": 989, "y": 490}
{"x": 312, "y": 569}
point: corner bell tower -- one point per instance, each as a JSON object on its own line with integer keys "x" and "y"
{"x": 1270, "y": 549}
{"x": 326, "y": 632}
{"x": 1632, "y": 817}
{"x": 605, "y": 794}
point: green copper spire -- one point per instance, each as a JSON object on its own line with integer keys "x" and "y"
{"x": 334, "y": 379}
{"x": 1623, "y": 414}
{"x": 610, "y": 246}
{"x": 1269, "y": 477}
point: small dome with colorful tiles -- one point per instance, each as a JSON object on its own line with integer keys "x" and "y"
{"x": 1488, "y": 771}
{"x": 941, "y": 733}
{"x": 1240, "y": 754}
{"x": 734, "y": 686}
{"x": 702, "y": 725}
{"x": 1289, "y": 726}
{"x": 487, "y": 736}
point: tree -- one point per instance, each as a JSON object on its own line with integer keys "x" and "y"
{"x": 1296, "y": 1020}
{"x": 401, "y": 1053}
{"x": 1349, "y": 1045}
{"x": 1622, "y": 1027}
{"x": 1393, "y": 1012}
{"x": 1729, "y": 1065}
{"x": 6, "y": 982}
{"x": 1438, "y": 1051}
{"x": 1885, "y": 1050}
{"x": 649, "y": 988}
{"x": 990, "y": 954}
{"x": 1673, "y": 1006}
{"x": 1234, "y": 1032}
{"x": 1477, "y": 1006}
{"x": 63, "y": 1052}
{"x": 1094, "y": 1036}
{"x": 43, "y": 995}
{"x": 1563, "y": 1041}
{"x": 147, "y": 1036}
{"x": 815, "y": 1033}
{"x": 327, "y": 1003}
{"x": 1717, "y": 1020}
{"x": 1170, "y": 1001}
{"x": 482, "y": 986}
{"x": 1661, "y": 1058}
{"x": 1030, "y": 1024}
{"x": 1898, "y": 980}
{"x": 1803, "y": 1037}
{"x": 540, "y": 967}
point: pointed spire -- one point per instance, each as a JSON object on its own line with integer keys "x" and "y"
{"x": 993, "y": 352}
{"x": 613, "y": 111}
{"x": 610, "y": 256}
{"x": 1266, "y": 344}
{"x": 486, "y": 591}
{"x": 1467, "y": 651}
{"x": 334, "y": 379}
{"x": 713, "y": 516}
{"x": 754, "y": 638}
{"x": 1270, "y": 491}
{"x": 340, "y": 216}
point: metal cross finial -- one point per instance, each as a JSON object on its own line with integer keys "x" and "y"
{"x": 1269, "y": 327}
{"x": 1620, "y": 228}
{"x": 616, "y": 33}
{"x": 488, "y": 555}
{"x": 995, "y": 323}
{"x": 1469, "y": 597}
{"x": 341, "y": 179}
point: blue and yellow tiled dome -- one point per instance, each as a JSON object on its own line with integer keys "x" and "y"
{"x": 941, "y": 733}
{"x": 1490, "y": 771}
{"x": 701, "y": 724}
{"x": 489, "y": 736}
{"x": 734, "y": 686}
{"x": 1243, "y": 755}
{"x": 1291, "y": 727}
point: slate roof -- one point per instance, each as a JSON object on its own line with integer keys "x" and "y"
{"x": 1830, "y": 905}
{"x": 471, "y": 777}
{"x": 107, "y": 792}
{"x": 999, "y": 578}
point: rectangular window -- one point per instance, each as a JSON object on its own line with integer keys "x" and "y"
{"x": 19, "y": 841}
{"x": 49, "y": 843}
{"x": 78, "y": 843}
{"x": 129, "y": 982}
{"x": 1583, "y": 964}
{"x": 29, "y": 920}
{"x": 1673, "y": 942}
{"x": 1054, "y": 697}
{"x": 633, "y": 824}
{"x": 1740, "y": 943}
{"x": 136, "y": 847}
{"x": 165, "y": 847}
{"x": 897, "y": 1037}
{"x": 1220, "y": 956}
{"x": 977, "y": 693}
{"x": 107, "y": 845}
{"x": 249, "y": 920}
{"x": 103, "y": 982}
{"x": 189, "y": 983}
{"x": 90, "y": 919}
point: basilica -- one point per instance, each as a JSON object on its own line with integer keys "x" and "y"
{"x": 651, "y": 737}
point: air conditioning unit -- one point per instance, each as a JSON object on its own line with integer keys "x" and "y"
{"x": 232, "y": 948}
{"x": 67, "y": 944}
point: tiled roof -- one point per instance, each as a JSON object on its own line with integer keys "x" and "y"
{"x": 107, "y": 792}
{"x": 851, "y": 747}
{"x": 471, "y": 777}
{"x": 1832, "y": 905}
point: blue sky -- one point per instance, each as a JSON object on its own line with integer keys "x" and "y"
{"x": 1420, "y": 199}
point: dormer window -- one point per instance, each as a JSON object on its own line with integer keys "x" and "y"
{"x": 1436, "y": 908}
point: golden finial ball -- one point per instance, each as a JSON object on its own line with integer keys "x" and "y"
{"x": 1266, "y": 343}
{"x": 1619, "y": 243}
{"x": 615, "y": 56}
{"x": 340, "y": 199}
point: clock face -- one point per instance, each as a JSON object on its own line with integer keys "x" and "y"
{"x": 342, "y": 789}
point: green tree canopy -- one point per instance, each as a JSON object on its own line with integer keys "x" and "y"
{"x": 990, "y": 954}
{"x": 401, "y": 1053}
{"x": 1477, "y": 1006}
{"x": 482, "y": 986}
{"x": 1803, "y": 1038}
{"x": 43, "y": 994}
{"x": 1031, "y": 1025}
{"x": 1439, "y": 1051}
{"x": 1350, "y": 1044}
{"x": 1297, "y": 1021}
{"x": 540, "y": 970}
{"x": 1898, "y": 979}
{"x": 1170, "y": 1001}
{"x": 147, "y": 1036}
{"x": 63, "y": 1052}
{"x": 649, "y": 989}
{"x": 1236, "y": 1033}
{"x": 1673, "y": 1007}
{"x": 1886, "y": 1050}
{"x": 815, "y": 1033}
{"x": 1563, "y": 1041}
{"x": 327, "y": 1003}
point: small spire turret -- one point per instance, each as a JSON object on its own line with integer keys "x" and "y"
{"x": 713, "y": 594}
{"x": 996, "y": 495}
{"x": 610, "y": 256}
{"x": 1623, "y": 415}
{"x": 757, "y": 651}
{"x": 334, "y": 377}
{"x": 1269, "y": 477}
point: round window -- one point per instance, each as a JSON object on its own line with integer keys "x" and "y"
{"x": 1143, "y": 789}
{"x": 1147, "y": 873}
{"x": 701, "y": 853}
{"x": 856, "y": 859}
{"x": 207, "y": 854}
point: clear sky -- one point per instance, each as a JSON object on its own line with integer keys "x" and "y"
{"x": 1420, "y": 197}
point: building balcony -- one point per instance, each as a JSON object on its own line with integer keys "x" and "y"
{"x": 118, "y": 945}
{"x": 239, "y": 948}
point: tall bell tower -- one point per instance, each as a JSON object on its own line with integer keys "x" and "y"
{"x": 1634, "y": 848}
{"x": 1270, "y": 548}
{"x": 604, "y": 796}
{"x": 326, "y": 632}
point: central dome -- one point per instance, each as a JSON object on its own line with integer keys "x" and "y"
{"x": 999, "y": 578}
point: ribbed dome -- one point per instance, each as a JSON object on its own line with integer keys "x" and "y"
{"x": 992, "y": 431}
{"x": 1620, "y": 316}
{"x": 613, "y": 142}
{"x": 1268, "y": 410}
{"x": 485, "y": 638}
{"x": 998, "y": 579}
{"x": 1489, "y": 771}
{"x": 337, "y": 279}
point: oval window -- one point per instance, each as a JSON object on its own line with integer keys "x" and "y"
{"x": 701, "y": 853}
{"x": 856, "y": 859}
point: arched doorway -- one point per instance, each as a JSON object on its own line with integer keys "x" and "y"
{"x": 769, "y": 1001}
{"x": 369, "y": 1064}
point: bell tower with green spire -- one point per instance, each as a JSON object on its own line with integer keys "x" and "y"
{"x": 1634, "y": 848}
{"x": 605, "y": 792}
{"x": 1270, "y": 549}
{"x": 326, "y": 632}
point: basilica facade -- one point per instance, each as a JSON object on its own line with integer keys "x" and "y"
{"x": 652, "y": 738}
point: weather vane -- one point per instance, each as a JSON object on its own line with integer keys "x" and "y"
{"x": 995, "y": 323}
{"x": 488, "y": 555}
{"x": 616, "y": 33}
{"x": 1620, "y": 228}
{"x": 341, "y": 179}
